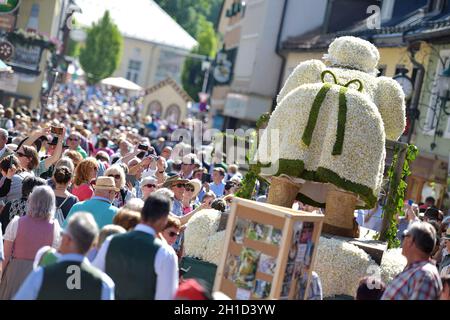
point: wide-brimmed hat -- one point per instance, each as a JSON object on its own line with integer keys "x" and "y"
{"x": 106, "y": 183}
{"x": 197, "y": 184}
{"x": 173, "y": 180}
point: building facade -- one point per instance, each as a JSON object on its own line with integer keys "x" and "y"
{"x": 31, "y": 20}
{"x": 154, "y": 47}
{"x": 251, "y": 36}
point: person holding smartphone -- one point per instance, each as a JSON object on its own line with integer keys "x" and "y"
{"x": 54, "y": 153}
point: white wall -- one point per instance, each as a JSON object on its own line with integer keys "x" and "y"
{"x": 257, "y": 65}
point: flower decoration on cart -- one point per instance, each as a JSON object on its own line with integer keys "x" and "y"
{"x": 332, "y": 122}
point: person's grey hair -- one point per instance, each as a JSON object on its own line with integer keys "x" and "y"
{"x": 4, "y": 133}
{"x": 65, "y": 162}
{"x": 134, "y": 204}
{"x": 167, "y": 192}
{"x": 117, "y": 169}
{"x": 41, "y": 203}
{"x": 83, "y": 230}
{"x": 423, "y": 235}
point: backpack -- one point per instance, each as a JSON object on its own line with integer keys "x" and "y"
{"x": 59, "y": 213}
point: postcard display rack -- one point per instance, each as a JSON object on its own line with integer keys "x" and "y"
{"x": 269, "y": 252}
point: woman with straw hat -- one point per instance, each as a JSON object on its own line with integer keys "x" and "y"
{"x": 191, "y": 191}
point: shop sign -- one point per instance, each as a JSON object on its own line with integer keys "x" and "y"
{"x": 9, "y": 6}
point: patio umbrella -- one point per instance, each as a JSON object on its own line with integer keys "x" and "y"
{"x": 121, "y": 83}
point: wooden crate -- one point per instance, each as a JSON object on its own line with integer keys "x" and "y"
{"x": 269, "y": 252}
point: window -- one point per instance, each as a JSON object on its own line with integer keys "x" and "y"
{"x": 173, "y": 114}
{"x": 387, "y": 9}
{"x": 431, "y": 116}
{"x": 447, "y": 130}
{"x": 134, "y": 68}
{"x": 154, "y": 109}
{"x": 170, "y": 64}
{"x": 436, "y": 6}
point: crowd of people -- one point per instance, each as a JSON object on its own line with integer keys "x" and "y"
{"x": 91, "y": 185}
{"x": 91, "y": 168}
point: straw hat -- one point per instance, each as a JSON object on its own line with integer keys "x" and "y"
{"x": 197, "y": 184}
{"x": 106, "y": 183}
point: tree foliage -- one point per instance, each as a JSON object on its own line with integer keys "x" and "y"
{"x": 101, "y": 54}
{"x": 188, "y": 13}
{"x": 192, "y": 76}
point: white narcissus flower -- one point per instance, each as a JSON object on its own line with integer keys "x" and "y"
{"x": 392, "y": 263}
{"x": 201, "y": 226}
{"x": 214, "y": 247}
{"x": 340, "y": 265}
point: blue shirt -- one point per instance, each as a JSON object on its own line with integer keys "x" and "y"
{"x": 101, "y": 208}
{"x": 177, "y": 209}
{"x": 32, "y": 284}
{"x": 218, "y": 189}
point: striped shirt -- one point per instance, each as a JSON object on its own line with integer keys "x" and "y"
{"x": 418, "y": 281}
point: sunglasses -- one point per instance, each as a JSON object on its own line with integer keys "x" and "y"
{"x": 72, "y": 139}
{"x": 115, "y": 176}
{"x": 190, "y": 189}
{"x": 180, "y": 185}
{"x": 405, "y": 236}
{"x": 150, "y": 185}
{"x": 20, "y": 154}
{"x": 173, "y": 234}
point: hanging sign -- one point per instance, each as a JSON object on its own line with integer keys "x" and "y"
{"x": 8, "y": 6}
{"x": 6, "y": 50}
{"x": 7, "y": 22}
{"x": 27, "y": 58}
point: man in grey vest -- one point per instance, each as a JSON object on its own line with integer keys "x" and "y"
{"x": 141, "y": 265}
{"x": 72, "y": 277}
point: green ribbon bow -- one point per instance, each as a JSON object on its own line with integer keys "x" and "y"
{"x": 342, "y": 112}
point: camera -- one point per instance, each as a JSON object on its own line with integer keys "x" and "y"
{"x": 56, "y": 130}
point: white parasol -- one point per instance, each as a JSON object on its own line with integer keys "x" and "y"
{"x": 121, "y": 83}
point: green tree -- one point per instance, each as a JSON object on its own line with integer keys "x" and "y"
{"x": 101, "y": 55}
{"x": 188, "y": 13}
{"x": 192, "y": 75}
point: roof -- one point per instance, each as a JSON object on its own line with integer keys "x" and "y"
{"x": 138, "y": 19}
{"x": 416, "y": 24}
{"x": 173, "y": 84}
{"x": 311, "y": 40}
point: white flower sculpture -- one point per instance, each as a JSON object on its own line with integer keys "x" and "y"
{"x": 333, "y": 123}
{"x": 201, "y": 237}
{"x": 214, "y": 248}
{"x": 341, "y": 265}
{"x": 392, "y": 263}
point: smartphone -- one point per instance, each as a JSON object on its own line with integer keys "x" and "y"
{"x": 11, "y": 162}
{"x": 56, "y": 130}
{"x": 143, "y": 147}
{"x": 206, "y": 178}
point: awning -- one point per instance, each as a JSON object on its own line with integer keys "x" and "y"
{"x": 121, "y": 83}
